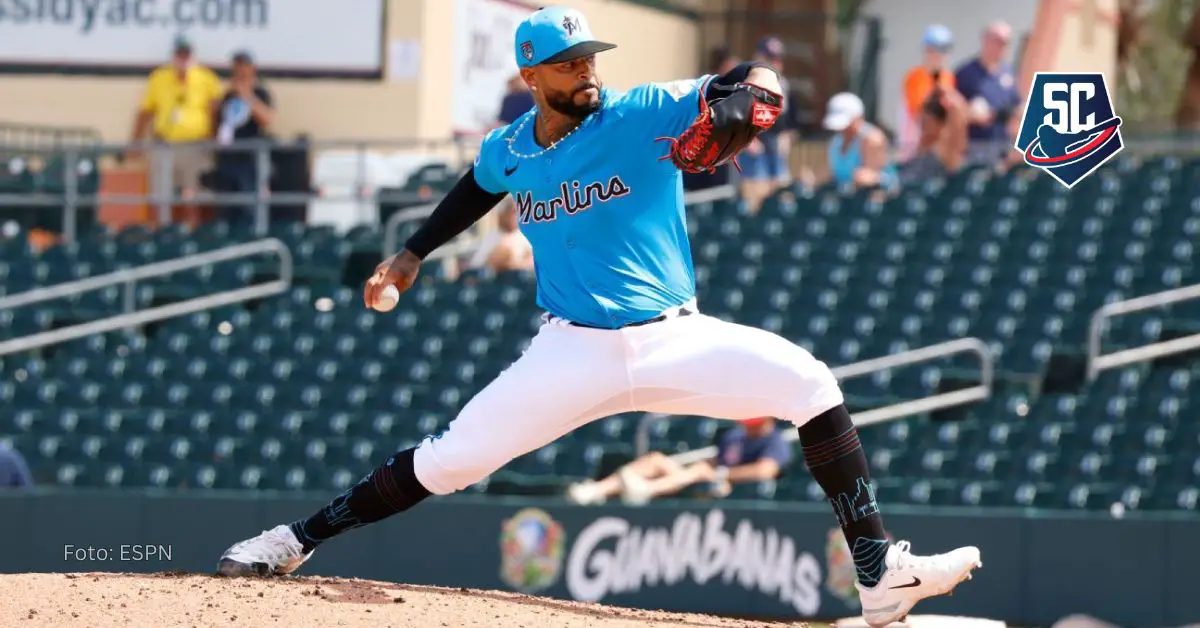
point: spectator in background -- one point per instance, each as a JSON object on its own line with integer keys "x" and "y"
{"x": 764, "y": 161}
{"x": 921, "y": 80}
{"x": 14, "y": 472}
{"x": 753, "y": 451}
{"x": 244, "y": 113}
{"x": 858, "y": 152}
{"x": 177, "y": 109}
{"x": 504, "y": 248}
{"x": 721, "y": 61}
{"x": 517, "y": 100}
{"x": 988, "y": 85}
{"x": 943, "y": 145}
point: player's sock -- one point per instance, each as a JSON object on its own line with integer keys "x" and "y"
{"x": 391, "y": 488}
{"x": 836, "y": 460}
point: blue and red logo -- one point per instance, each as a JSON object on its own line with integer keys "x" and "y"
{"x": 1070, "y": 128}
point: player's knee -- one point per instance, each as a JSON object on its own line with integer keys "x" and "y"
{"x": 443, "y": 472}
{"x": 807, "y": 373}
{"x": 823, "y": 377}
{"x": 827, "y": 391}
{"x": 818, "y": 391}
{"x": 447, "y": 480}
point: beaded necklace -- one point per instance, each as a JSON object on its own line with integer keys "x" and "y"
{"x": 513, "y": 138}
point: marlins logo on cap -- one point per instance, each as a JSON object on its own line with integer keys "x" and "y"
{"x": 555, "y": 35}
{"x": 571, "y": 24}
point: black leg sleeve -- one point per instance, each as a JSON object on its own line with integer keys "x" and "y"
{"x": 837, "y": 462}
{"x": 389, "y": 489}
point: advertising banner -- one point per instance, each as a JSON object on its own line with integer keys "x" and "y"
{"x": 484, "y": 60}
{"x": 292, "y": 37}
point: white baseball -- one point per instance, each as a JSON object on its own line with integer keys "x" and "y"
{"x": 387, "y": 299}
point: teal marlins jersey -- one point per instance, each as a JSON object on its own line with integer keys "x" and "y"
{"x": 603, "y": 213}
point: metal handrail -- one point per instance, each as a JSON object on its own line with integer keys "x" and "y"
{"x": 391, "y": 239}
{"x": 130, "y": 277}
{"x": 979, "y": 392}
{"x": 161, "y": 194}
{"x": 708, "y": 195}
{"x": 1097, "y": 362}
{"x": 464, "y": 243}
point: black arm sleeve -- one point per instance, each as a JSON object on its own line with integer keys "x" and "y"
{"x": 462, "y": 207}
{"x": 739, "y": 73}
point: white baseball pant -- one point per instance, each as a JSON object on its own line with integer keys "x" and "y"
{"x": 569, "y": 376}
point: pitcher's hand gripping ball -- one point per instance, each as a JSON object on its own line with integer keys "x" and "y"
{"x": 724, "y": 127}
{"x": 388, "y": 298}
{"x": 392, "y": 277}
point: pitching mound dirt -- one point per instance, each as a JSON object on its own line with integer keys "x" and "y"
{"x": 97, "y": 600}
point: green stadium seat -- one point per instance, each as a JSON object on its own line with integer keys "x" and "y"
{"x": 298, "y": 396}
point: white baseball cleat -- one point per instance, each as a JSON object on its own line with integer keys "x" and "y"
{"x": 908, "y": 579}
{"x": 274, "y": 552}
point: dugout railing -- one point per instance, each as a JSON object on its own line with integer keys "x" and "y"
{"x": 1097, "y": 362}
{"x": 939, "y": 401}
{"x": 128, "y": 278}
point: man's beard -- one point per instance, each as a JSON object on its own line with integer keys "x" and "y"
{"x": 564, "y": 103}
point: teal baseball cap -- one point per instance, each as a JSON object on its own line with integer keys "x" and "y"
{"x": 555, "y": 35}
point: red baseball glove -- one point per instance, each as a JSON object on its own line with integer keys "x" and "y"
{"x": 724, "y": 127}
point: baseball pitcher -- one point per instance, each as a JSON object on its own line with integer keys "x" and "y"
{"x": 595, "y": 175}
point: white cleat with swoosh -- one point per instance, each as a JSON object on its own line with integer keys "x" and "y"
{"x": 908, "y": 579}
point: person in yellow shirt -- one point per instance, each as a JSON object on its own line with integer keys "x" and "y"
{"x": 177, "y": 108}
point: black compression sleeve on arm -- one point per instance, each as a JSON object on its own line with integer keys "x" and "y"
{"x": 738, "y": 74}
{"x": 462, "y": 207}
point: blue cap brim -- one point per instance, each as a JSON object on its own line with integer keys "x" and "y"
{"x": 582, "y": 49}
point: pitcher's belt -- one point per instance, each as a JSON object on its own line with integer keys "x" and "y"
{"x": 685, "y": 310}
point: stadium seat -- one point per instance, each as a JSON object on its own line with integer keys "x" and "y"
{"x": 306, "y": 391}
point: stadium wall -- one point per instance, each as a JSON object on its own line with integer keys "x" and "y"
{"x": 743, "y": 559}
{"x": 653, "y": 45}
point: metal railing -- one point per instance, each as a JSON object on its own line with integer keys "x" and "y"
{"x": 361, "y": 167}
{"x": 709, "y": 195}
{"x": 1097, "y": 362}
{"x": 130, "y": 277}
{"x": 979, "y": 392}
{"x": 76, "y": 162}
{"x": 42, "y": 136}
{"x": 391, "y": 236}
